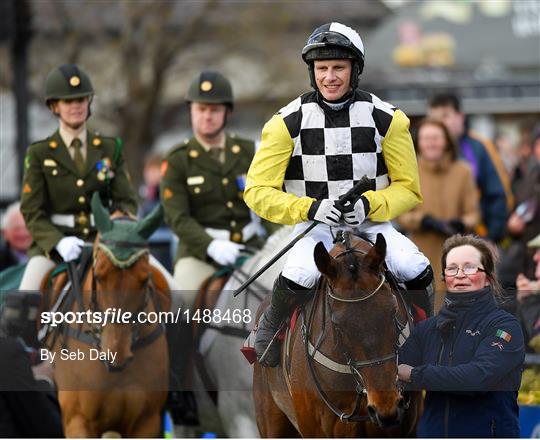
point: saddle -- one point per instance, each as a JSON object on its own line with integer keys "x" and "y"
{"x": 58, "y": 292}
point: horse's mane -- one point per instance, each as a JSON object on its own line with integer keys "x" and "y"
{"x": 363, "y": 236}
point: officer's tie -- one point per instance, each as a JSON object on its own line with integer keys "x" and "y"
{"x": 215, "y": 153}
{"x": 78, "y": 157}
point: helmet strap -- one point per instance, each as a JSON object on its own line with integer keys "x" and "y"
{"x": 355, "y": 74}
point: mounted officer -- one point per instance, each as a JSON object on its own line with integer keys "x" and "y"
{"x": 202, "y": 188}
{"x": 62, "y": 172}
{"x": 313, "y": 151}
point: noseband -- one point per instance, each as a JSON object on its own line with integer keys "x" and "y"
{"x": 352, "y": 365}
{"x": 92, "y": 336}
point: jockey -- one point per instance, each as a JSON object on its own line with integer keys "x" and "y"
{"x": 312, "y": 152}
{"x": 62, "y": 172}
{"x": 202, "y": 188}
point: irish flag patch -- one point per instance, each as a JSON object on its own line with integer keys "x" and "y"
{"x": 502, "y": 334}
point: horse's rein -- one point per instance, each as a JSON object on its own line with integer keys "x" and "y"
{"x": 352, "y": 367}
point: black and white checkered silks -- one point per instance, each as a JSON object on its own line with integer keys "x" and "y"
{"x": 334, "y": 149}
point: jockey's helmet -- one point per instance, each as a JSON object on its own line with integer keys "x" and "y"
{"x": 334, "y": 41}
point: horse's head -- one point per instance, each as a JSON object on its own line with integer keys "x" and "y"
{"x": 363, "y": 310}
{"x": 121, "y": 276}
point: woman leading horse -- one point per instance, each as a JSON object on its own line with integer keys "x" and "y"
{"x": 338, "y": 369}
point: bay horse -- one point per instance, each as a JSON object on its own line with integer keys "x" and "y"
{"x": 124, "y": 394}
{"x": 338, "y": 370}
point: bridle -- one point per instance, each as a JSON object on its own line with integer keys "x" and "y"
{"x": 92, "y": 336}
{"x": 352, "y": 366}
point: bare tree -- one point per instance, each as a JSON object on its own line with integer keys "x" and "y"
{"x": 148, "y": 50}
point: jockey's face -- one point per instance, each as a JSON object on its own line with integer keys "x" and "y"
{"x": 72, "y": 112}
{"x": 461, "y": 256}
{"x": 333, "y": 78}
{"x": 449, "y": 116}
{"x": 208, "y": 120}
{"x": 431, "y": 142}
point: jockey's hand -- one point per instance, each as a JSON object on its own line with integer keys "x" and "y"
{"x": 354, "y": 215}
{"x": 224, "y": 252}
{"x": 325, "y": 211}
{"x": 70, "y": 248}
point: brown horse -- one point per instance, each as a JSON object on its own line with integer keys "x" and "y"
{"x": 338, "y": 372}
{"x": 125, "y": 388}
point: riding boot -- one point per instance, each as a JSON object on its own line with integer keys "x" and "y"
{"x": 283, "y": 300}
{"x": 180, "y": 402}
{"x": 420, "y": 291}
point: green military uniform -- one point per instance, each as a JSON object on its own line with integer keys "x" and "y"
{"x": 199, "y": 192}
{"x": 55, "y": 193}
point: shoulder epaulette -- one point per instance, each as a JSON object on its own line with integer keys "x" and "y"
{"x": 178, "y": 147}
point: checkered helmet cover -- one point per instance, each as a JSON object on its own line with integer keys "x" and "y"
{"x": 333, "y": 41}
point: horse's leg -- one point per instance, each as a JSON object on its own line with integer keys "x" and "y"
{"x": 76, "y": 426}
{"x": 147, "y": 426}
{"x": 271, "y": 421}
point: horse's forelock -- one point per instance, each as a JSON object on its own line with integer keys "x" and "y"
{"x": 118, "y": 213}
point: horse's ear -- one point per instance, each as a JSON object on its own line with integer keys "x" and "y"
{"x": 323, "y": 260}
{"x": 101, "y": 215}
{"x": 151, "y": 222}
{"x": 375, "y": 257}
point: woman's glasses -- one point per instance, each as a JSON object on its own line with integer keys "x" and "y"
{"x": 468, "y": 269}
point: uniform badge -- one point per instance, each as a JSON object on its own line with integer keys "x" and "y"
{"x": 49, "y": 163}
{"x": 74, "y": 81}
{"x": 235, "y": 149}
{"x": 167, "y": 194}
{"x": 104, "y": 169}
{"x": 53, "y": 144}
{"x": 195, "y": 180}
{"x": 26, "y": 161}
{"x": 26, "y": 189}
{"x": 206, "y": 86}
{"x": 96, "y": 142}
{"x": 193, "y": 154}
{"x": 241, "y": 182}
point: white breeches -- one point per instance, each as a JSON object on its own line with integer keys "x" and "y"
{"x": 403, "y": 258}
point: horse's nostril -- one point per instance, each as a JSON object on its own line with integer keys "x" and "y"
{"x": 372, "y": 412}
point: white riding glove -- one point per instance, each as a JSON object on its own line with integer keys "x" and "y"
{"x": 325, "y": 211}
{"x": 354, "y": 215}
{"x": 224, "y": 252}
{"x": 70, "y": 248}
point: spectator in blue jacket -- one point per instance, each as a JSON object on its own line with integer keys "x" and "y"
{"x": 496, "y": 197}
{"x": 469, "y": 357}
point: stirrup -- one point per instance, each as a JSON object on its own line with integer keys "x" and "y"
{"x": 267, "y": 349}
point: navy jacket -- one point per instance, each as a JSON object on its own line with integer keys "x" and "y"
{"x": 492, "y": 196}
{"x": 471, "y": 372}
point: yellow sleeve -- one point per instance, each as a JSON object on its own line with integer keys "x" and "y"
{"x": 403, "y": 193}
{"x": 264, "y": 184}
